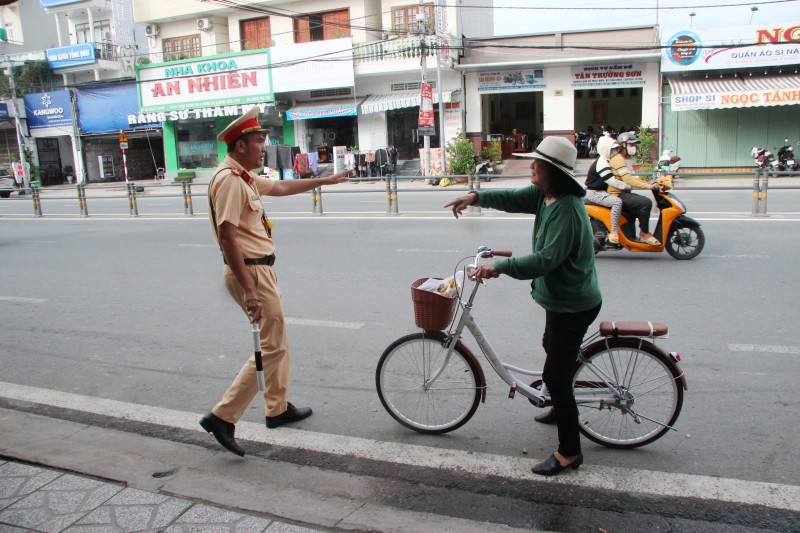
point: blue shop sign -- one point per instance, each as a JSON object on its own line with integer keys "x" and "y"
{"x": 3, "y": 110}
{"x": 106, "y": 109}
{"x": 71, "y": 56}
{"x": 48, "y": 110}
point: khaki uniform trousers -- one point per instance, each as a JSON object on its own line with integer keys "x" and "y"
{"x": 274, "y": 350}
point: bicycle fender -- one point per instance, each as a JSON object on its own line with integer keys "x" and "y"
{"x": 634, "y": 342}
{"x": 440, "y": 335}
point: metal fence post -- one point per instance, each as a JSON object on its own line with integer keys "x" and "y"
{"x": 474, "y": 185}
{"x": 37, "y": 202}
{"x": 134, "y": 208}
{"x": 762, "y": 204}
{"x": 316, "y": 201}
{"x": 189, "y": 198}
{"x": 388, "y": 195}
{"x": 82, "y": 200}
{"x": 756, "y": 192}
{"x": 395, "y": 210}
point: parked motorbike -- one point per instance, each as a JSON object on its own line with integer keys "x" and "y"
{"x": 763, "y": 157}
{"x": 582, "y": 140}
{"x": 680, "y": 235}
{"x": 483, "y": 168}
{"x": 786, "y": 160}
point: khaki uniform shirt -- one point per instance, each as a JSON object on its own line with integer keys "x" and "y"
{"x": 235, "y": 195}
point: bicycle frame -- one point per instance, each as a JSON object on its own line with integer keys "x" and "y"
{"x": 538, "y": 396}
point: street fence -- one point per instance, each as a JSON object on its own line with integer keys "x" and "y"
{"x": 130, "y": 190}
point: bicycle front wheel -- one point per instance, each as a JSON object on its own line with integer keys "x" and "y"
{"x": 447, "y": 403}
{"x": 649, "y": 394}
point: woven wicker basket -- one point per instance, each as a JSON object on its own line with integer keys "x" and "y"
{"x": 432, "y": 312}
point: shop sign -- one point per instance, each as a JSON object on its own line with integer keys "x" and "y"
{"x": 48, "y": 110}
{"x": 106, "y": 109}
{"x": 738, "y": 47}
{"x": 209, "y": 82}
{"x": 310, "y": 66}
{"x": 452, "y": 121}
{"x": 322, "y": 112}
{"x": 506, "y": 81}
{"x": 619, "y": 75}
{"x": 71, "y": 56}
{"x": 442, "y": 31}
{"x": 186, "y": 114}
{"x": 3, "y": 110}
{"x": 721, "y": 100}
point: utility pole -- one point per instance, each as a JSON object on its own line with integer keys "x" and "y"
{"x": 439, "y": 40}
{"x": 426, "y": 143}
{"x": 9, "y": 71}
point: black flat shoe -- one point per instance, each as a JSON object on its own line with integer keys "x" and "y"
{"x": 551, "y": 466}
{"x": 292, "y": 414}
{"x": 222, "y": 431}
{"x": 546, "y": 418}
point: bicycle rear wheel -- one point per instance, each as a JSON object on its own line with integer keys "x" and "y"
{"x": 447, "y": 404}
{"x": 651, "y": 390}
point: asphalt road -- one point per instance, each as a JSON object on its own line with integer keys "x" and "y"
{"x": 133, "y": 309}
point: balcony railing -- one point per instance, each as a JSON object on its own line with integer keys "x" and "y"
{"x": 400, "y": 49}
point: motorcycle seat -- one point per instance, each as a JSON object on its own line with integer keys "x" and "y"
{"x": 633, "y": 329}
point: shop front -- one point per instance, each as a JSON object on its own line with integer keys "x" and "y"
{"x": 102, "y": 115}
{"x": 50, "y": 121}
{"x": 722, "y": 101}
{"x": 563, "y": 91}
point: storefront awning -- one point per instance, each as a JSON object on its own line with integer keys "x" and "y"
{"x": 379, "y": 103}
{"x": 347, "y": 107}
{"x": 755, "y": 91}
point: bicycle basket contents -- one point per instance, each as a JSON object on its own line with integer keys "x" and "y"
{"x": 435, "y": 301}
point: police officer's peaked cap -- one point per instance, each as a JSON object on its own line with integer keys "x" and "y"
{"x": 247, "y": 123}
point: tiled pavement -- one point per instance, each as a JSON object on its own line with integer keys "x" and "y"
{"x": 40, "y": 499}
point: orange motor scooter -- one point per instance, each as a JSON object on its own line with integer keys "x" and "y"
{"x": 679, "y": 234}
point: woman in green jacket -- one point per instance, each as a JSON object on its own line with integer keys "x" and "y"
{"x": 561, "y": 266}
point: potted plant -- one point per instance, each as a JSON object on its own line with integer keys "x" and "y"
{"x": 644, "y": 152}
{"x": 461, "y": 156}
{"x": 69, "y": 173}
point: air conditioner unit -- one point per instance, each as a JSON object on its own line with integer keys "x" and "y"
{"x": 151, "y": 30}
{"x": 205, "y": 24}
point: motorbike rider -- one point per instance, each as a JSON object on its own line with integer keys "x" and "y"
{"x": 597, "y": 188}
{"x": 625, "y": 182}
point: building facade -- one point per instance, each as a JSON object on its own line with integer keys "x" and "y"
{"x": 325, "y": 74}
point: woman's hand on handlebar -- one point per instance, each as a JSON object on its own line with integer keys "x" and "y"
{"x": 483, "y": 272}
{"x": 459, "y": 204}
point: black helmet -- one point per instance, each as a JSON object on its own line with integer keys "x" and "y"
{"x": 627, "y": 137}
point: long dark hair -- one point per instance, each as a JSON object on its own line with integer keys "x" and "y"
{"x": 560, "y": 183}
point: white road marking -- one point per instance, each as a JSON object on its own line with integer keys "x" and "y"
{"x": 21, "y": 300}
{"x": 763, "y": 348}
{"x": 739, "y": 256}
{"x": 323, "y": 323}
{"x": 199, "y": 245}
{"x": 609, "y": 479}
{"x": 421, "y": 251}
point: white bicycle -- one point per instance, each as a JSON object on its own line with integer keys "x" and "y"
{"x": 629, "y": 391}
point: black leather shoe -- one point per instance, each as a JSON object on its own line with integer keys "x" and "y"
{"x": 292, "y": 414}
{"x": 222, "y": 431}
{"x": 546, "y": 418}
{"x": 551, "y": 466}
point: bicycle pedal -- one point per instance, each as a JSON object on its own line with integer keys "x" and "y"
{"x": 512, "y": 391}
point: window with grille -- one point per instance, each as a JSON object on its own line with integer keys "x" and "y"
{"x": 181, "y": 47}
{"x": 322, "y": 26}
{"x": 410, "y": 86}
{"x": 255, "y": 33}
{"x": 322, "y": 93}
{"x": 84, "y": 35}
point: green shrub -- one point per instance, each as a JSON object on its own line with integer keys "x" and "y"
{"x": 647, "y": 142}
{"x": 461, "y": 154}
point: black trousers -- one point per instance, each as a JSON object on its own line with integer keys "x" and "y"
{"x": 563, "y": 334}
{"x": 638, "y": 206}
